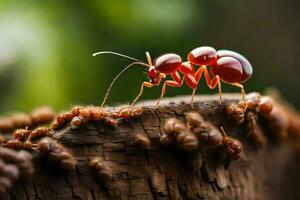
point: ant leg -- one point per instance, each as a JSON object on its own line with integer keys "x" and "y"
{"x": 211, "y": 83}
{"x": 193, "y": 96}
{"x": 145, "y": 84}
{"x": 242, "y": 89}
{"x": 163, "y": 90}
{"x": 192, "y": 83}
{"x": 214, "y": 82}
{"x": 176, "y": 82}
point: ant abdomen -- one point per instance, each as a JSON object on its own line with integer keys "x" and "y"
{"x": 228, "y": 69}
{"x": 167, "y": 63}
{"x": 247, "y": 68}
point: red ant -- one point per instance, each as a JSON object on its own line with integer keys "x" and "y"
{"x": 226, "y": 66}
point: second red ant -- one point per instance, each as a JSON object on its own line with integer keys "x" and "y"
{"x": 227, "y": 66}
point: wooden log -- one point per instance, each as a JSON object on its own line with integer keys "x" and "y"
{"x": 164, "y": 172}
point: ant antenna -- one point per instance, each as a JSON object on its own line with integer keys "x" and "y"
{"x": 117, "y": 77}
{"x": 117, "y": 54}
{"x": 149, "y": 58}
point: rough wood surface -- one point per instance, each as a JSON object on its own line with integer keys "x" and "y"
{"x": 164, "y": 172}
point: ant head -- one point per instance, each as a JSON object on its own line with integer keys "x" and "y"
{"x": 153, "y": 75}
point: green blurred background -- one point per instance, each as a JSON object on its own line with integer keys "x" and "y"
{"x": 46, "y": 46}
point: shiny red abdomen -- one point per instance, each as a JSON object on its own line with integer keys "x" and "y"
{"x": 203, "y": 56}
{"x": 229, "y": 69}
{"x": 167, "y": 63}
{"x": 247, "y": 67}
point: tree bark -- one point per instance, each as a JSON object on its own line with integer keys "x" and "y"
{"x": 164, "y": 172}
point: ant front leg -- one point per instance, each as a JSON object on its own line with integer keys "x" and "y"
{"x": 149, "y": 85}
{"x": 176, "y": 82}
{"x": 211, "y": 83}
{"x": 144, "y": 84}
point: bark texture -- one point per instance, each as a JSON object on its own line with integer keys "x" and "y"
{"x": 165, "y": 172}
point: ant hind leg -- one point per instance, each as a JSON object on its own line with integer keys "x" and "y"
{"x": 242, "y": 90}
{"x": 220, "y": 91}
{"x": 193, "y": 96}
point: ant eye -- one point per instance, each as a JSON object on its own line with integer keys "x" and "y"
{"x": 152, "y": 72}
{"x": 154, "y": 80}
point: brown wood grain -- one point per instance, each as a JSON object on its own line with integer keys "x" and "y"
{"x": 165, "y": 172}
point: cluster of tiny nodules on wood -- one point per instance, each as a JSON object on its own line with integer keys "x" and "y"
{"x": 274, "y": 114}
{"x": 56, "y": 153}
{"x": 177, "y": 131}
{"x": 278, "y": 122}
{"x": 281, "y": 120}
{"x": 233, "y": 147}
{"x": 104, "y": 172}
{"x": 208, "y": 134}
{"x": 80, "y": 115}
{"x": 196, "y": 130}
{"x": 22, "y": 159}
{"x": 41, "y": 115}
{"x": 9, "y": 175}
{"x": 285, "y": 121}
{"x": 13, "y": 166}
{"x": 254, "y": 105}
{"x": 293, "y": 127}
{"x": 142, "y": 140}
{"x": 24, "y": 138}
{"x": 237, "y": 111}
{"x": 255, "y": 131}
{"x": 254, "y": 102}
{"x": 260, "y": 104}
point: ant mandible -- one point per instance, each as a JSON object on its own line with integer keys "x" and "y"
{"x": 227, "y": 66}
